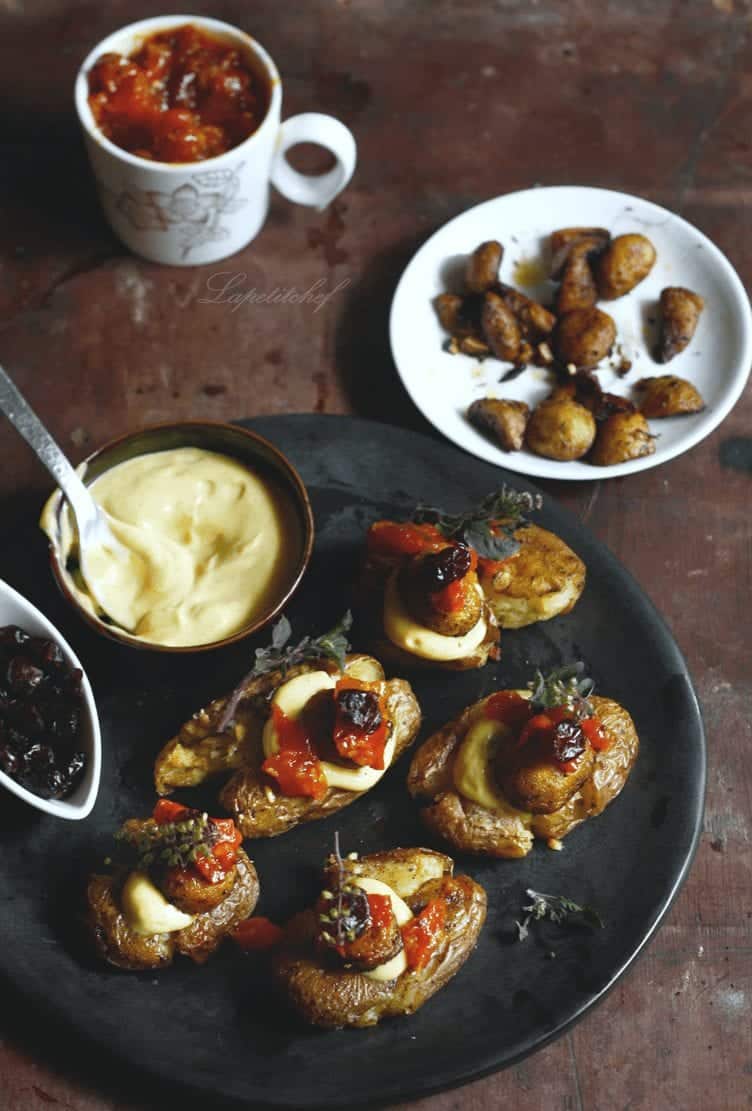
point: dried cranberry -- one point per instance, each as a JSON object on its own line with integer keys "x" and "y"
{"x": 444, "y": 567}
{"x": 360, "y": 709}
{"x": 40, "y": 714}
{"x": 568, "y": 741}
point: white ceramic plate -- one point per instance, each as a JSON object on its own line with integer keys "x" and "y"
{"x": 717, "y": 360}
{"x": 15, "y": 610}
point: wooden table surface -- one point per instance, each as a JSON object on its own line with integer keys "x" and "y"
{"x": 451, "y": 103}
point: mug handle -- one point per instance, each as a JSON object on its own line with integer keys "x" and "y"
{"x": 319, "y": 190}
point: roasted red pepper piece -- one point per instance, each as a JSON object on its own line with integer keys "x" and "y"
{"x": 296, "y": 767}
{"x": 422, "y": 934}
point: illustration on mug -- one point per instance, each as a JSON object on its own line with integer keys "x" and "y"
{"x": 194, "y": 209}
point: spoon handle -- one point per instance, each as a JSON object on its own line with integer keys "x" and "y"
{"x": 27, "y": 423}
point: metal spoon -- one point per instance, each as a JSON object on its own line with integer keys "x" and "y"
{"x": 94, "y": 532}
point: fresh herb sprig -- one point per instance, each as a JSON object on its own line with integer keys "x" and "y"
{"x": 566, "y": 686}
{"x": 176, "y": 844}
{"x": 347, "y": 912}
{"x": 488, "y": 527}
{"x": 558, "y": 909}
{"x": 332, "y": 645}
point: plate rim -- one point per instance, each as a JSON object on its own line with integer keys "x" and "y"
{"x": 530, "y": 464}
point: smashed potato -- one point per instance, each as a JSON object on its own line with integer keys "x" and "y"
{"x": 669, "y": 396}
{"x": 504, "y": 421}
{"x": 329, "y": 995}
{"x": 542, "y": 580}
{"x": 622, "y": 436}
{"x": 626, "y": 261}
{"x": 584, "y": 337}
{"x": 501, "y": 829}
{"x": 560, "y": 428}
{"x": 680, "y": 313}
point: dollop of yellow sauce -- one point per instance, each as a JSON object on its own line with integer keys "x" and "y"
{"x": 210, "y": 544}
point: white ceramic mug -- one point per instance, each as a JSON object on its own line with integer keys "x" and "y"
{"x": 186, "y": 214}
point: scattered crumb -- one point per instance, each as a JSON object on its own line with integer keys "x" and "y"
{"x": 555, "y": 844}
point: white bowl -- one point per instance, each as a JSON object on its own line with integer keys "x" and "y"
{"x": 15, "y": 610}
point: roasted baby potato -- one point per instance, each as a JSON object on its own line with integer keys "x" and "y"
{"x": 680, "y": 313}
{"x": 482, "y": 270}
{"x": 535, "y": 321}
{"x": 584, "y": 337}
{"x": 626, "y": 261}
{"x": 543, "y": 580}
{"x": 577, "y": 289}
{"x": 562, "y": 241}
{"x": 622, "y": 436}
{"x": 669, "y": 396}
{"x": 500, "y": 328}
{"x": 260, "y": 808}
{"x": 479, "y": 754}
{"x": 140, "y": 916}
{"x": 420, "y": 577}
{"x": 327, "y": 993}
{"x": 504, "y": 421}
{"x": 560, "y": 428}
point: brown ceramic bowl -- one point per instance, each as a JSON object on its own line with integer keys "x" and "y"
{"x": 249, "y": 448}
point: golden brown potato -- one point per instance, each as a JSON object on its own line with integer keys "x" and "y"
{"x": 534, "y": 784}
{"x": 500, "y": 328}
{"x": 669, "y": 396}
{"x": 623, "y": 436}
{"x": 680, "y": 313}
{"x": 577, "y": 289}
{"x": 535, "y": 321}
{"x": 417, "y": 599}
{"x": 469, "y": 345}
{"x": 583, "y": 337}
{"x": 328, "y": 996}
{"x": 505, "y": 421}
{"x": 121, "y": 946}
{"x": 460, "y": 316}
{"x": 196, "y": 752}
{"x": 506, "y": 831}
{"x": 562, "y": 241}
{"x": 482, "y": 270}
{"x": 543, "y": 580}
{"x": 560, "y": 428}
{"x": 626, "y": 261}
{"x": 191, "y": 893}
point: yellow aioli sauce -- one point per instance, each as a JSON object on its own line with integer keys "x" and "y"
{"x": 211, "y": 545}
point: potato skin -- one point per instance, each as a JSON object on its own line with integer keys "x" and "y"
{"x": 534, "y": 784}
{"x": 189, "y": 892}
{"x": 335, "y": 997}
{"x": 535, "y": 321}
{"x": 500, "y": 328}
{"x": 195, "y": 753}
{"x": 562, "y": 241}
{"x": 504, "y": 421}
{"x": 621, "y": 437}
{"x": 543, "y": 580}
{"x": 482, "y": 269}
{"x": 626, "y": 262}
{"x": 583, "y": 337}
{"x": 560, "y": 428}
{"x": 120, "y": 946}
{"x": 680, "y": 313}
{"x": 669, "y": 396}
{"x": 468, "y": 827}
{"x": 447, "y": 624}
{"x": 577, "y": 289}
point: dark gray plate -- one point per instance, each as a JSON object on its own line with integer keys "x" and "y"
{"x": 218, "y": 1029}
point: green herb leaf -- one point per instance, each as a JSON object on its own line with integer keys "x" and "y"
{"x": 488, "y": 527}
{"x": 565, "y": 686}
{"x": 558, "y": 909}
{"x": 173, "y": 843}
{"x": 332, "y": 645}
